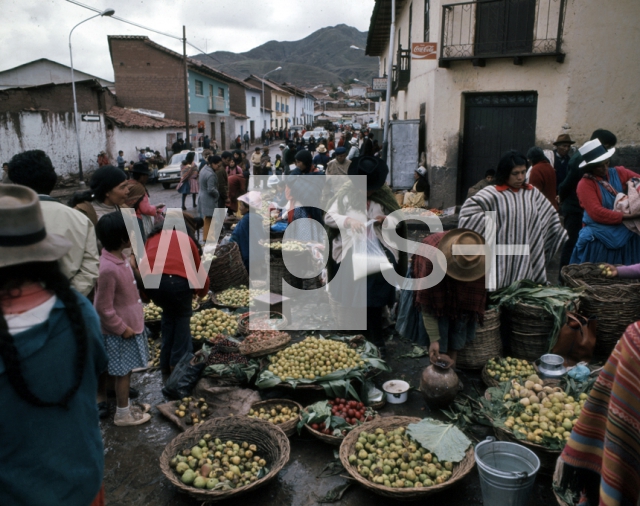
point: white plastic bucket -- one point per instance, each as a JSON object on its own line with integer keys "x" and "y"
{"x": 397, "y": 391}
{"x": 507, "y": 472}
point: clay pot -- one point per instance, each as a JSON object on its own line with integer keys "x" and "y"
{"x": 439, "y": 383}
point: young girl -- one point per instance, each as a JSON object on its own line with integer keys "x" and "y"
{"x": 188, "y": 179}
{"x": 118, "y": 304}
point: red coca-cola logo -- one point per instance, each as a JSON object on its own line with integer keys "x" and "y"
{"x": 423, "y": 49}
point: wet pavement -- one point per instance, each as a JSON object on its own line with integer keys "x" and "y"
{"x": 133, "y": 476}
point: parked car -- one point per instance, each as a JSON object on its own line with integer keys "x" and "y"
{"x": 171, "y": 173}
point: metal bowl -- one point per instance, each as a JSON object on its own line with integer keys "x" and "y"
{"x": 552, "y": 366}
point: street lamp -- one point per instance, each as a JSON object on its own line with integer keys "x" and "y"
{"x": 274, "y": 70}
{"x": 107, "y": 12}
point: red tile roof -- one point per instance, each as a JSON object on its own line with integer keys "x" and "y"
{"x": 128, "y": 118}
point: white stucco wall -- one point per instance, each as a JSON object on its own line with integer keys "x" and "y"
{"x": 595, "y": 87}
{"x": 254, "y": 112}
{"x": 53, "y": 133}
{"x": 128, "y": 139}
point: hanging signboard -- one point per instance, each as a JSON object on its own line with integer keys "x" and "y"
{"x": 379, "y": 83}
{"x": 424, "y": 51}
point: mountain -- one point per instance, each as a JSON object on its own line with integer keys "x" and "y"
{"x": 324, "y": 57}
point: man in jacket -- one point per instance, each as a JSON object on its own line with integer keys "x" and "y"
{"x": 560, "y": 156}
{"x": 209, "y": 196}
{"x": 246, "y": 140}
{"x": 35, "y": 170}
{"x": 488, "y": 180}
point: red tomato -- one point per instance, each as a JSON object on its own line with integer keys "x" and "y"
{"x": 326, "y": 431}
{"x": 341, "y": 401}
{"x": 330, "y": 403}
{"x": 314, "y": 426}
{"x": 351, "y": 413}
{"x": 369, "y": 419}
{"x": 322, "y": 426}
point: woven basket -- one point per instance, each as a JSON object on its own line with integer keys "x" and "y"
{"x": 547, "y": 457}
{"x": 277, "y": 343}
{"x": 487, "y": 379}
{"x": 244, "y": 319}
{"x": 486, "y": 345}
{"x": 529, "y": 346}
{"x": 289, "y": 428}
{"x": 614, "y": 301}
{"x": 218, "y": 305}
{"x": 347, "y": 447}
{"x": 325, "y": 438}
{"x": 227, "y": 269}
{"x": 272, "y": 443}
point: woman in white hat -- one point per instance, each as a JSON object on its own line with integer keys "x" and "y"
{"x": 604, "y": 237}
{"x": 354, "y": 152}
{"x": 321, "y": 158}
{"x": 419, "y": 192}
{"x": 51, "y": 354}
{"x": 249, "y": 230}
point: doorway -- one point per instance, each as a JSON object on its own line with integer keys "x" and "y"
{"x": 223, "y": 136}
{"x": 252, "y": 131}
{"x": 494, "y": 123}
{"x": 213, "y": 131}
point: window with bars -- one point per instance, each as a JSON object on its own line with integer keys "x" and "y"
{"x": 199, "y": 88}
{"x": 253, "y": 101}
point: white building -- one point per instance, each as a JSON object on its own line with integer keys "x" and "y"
{"x": 302, "y": 105}
{"x": 508, "y": 74}
{"x": 44, "y": 71}
{"x": 357, "y": 91}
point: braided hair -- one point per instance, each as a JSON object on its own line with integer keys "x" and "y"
{"x": 48, "y": 274}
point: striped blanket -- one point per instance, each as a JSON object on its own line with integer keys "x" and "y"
{"x": 606, "y": 439}
{"x": 522, "y": 217}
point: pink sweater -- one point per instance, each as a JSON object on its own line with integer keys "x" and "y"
{"x": 117, "y": 300}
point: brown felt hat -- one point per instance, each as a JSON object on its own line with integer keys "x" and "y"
{"x": 564, "y": 139}
{"x": 468, "y": 266}
{"x": 23, "y": 237}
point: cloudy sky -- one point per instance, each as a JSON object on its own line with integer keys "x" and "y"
{"x": 33, "y": 29}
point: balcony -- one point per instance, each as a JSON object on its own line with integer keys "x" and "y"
{"x": 401, "y": 72}
{"x": 217, "y": 104}
{"x": 488, "y": 29}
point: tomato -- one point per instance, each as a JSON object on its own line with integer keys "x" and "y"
{"x": 326, "y": 431}
{"x": 314, "y": 426}
{"x": 322, "y": 426}
{"x": 369, "y": 419}
{"x": 330, "y": 403}
{"x": 351, "y": 413}
{"x": 342, "y": 401}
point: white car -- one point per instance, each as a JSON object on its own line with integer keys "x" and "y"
{"x": 171, "y": 173}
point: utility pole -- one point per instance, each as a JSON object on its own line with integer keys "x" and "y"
{"x": 387, "y": 112}
{"x": 186, "y": 83}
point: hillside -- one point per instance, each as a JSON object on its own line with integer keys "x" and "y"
{"x": 324, "y": 57}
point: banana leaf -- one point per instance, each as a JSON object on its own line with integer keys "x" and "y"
{"x": 446, "y": 441}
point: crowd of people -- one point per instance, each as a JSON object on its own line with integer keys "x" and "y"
{"x": 72, "y": 293}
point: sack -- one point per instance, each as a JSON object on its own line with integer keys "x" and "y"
{"x": 369, "y": 256}
{"x": 576, "y": 340}
{"x": 414, "y": 199}
{"x": 185, "y": 376}
{"x": 409, "y": 322}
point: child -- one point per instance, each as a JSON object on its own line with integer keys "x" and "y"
{"x": 118, "y": 304}
{"x": 278, "y": 166}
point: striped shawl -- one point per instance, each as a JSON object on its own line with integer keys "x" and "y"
{"x": 522, "y": 217}
{"x": 606, "y": 439}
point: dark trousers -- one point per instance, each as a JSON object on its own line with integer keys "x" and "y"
{"x": 174, "y": 297}
{"x": 573, "y": 225}
{"x": 375, "y": 332}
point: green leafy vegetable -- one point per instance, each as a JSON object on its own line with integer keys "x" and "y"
{"x": 334, "y": 495}
{"x": 445, "y": 440}
{"x": 418, "y": 352}
{"x": 556, "y": 300}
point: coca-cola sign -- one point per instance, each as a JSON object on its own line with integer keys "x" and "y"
{"x": 424, "y": 50}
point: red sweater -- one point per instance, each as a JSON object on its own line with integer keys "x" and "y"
{"x": 174, "y": 263}
{"x": 543, "y": 177}
{"x": 591, "y": 199}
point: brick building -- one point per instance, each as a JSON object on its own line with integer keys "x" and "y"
{"x": 151, "y": 76}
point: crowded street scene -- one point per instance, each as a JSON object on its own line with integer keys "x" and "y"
{"x": 365, "y": 253}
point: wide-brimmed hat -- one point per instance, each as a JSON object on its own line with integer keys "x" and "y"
{"x": 140, "y": 168}
{"x": 465, "y": 267}
{"x": 282, "y": 146}
{"x": 594, "y": 152}
{"x": 374, "y": 168}
{"x": 564, "y": 139}
{"x": 23, "y": 237}
{"x": 273, "y": 181}
{"x": 321, "y": 149}
{"x": 252, "y": 199}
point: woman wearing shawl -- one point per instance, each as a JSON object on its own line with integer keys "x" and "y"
{"x": 600, "y": 463}
{"x": 523, "y": 216}
{"x": 188, "y": 179}
{"x": 346, "y": 212}
{"x": 138, "y": 199}
{"x": 604, "y": 237}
